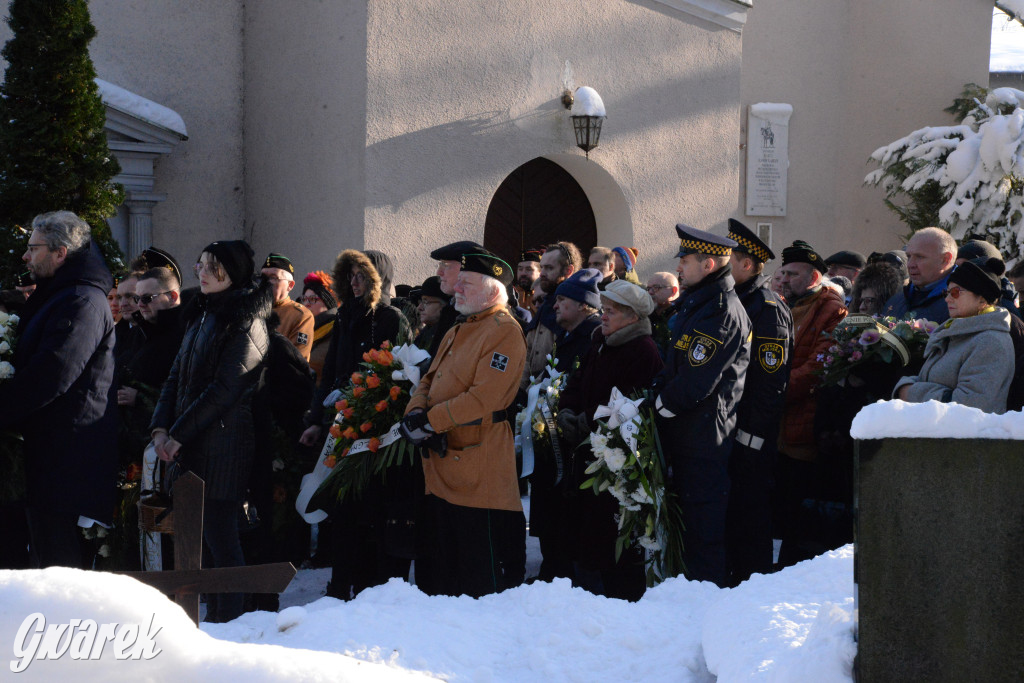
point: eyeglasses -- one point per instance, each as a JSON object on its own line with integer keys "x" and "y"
{"x": 652, "y": 289}
{"x": 274, "y": 278}
{"x": 310, "y": 299}
{"x": 953, "y": 292}
{"x": 32, "y": 247}
{"x": 147, "y": 299}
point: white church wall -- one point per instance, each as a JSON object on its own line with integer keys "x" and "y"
{"x": 461, "y": 94}
{"x": 859, "y": 75}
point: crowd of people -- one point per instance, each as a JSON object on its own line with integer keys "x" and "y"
{"x": 234, "y": 379}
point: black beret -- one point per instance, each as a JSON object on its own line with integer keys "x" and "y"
{"x": 852, "y": 259}
{"x": 980, "y": 276}
{"x": 279, "y": 261}
{"x": 748, "y": 243}
{"x": 694, "y": 241}
{"x": 801, "y": 252}
{"x": 972, "y": 249}
{"x": 432, "y": 287}
{"x": 158, "y": 258}
{"x": 455, "y": 250}
{"x": 489, "y": 264}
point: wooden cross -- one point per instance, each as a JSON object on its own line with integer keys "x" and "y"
{"x": 188, "y": 579}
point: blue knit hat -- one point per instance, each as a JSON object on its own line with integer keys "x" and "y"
{"x": 582, "y": 286}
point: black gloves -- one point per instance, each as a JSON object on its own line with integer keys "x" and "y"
{"x": 415, "y": 427}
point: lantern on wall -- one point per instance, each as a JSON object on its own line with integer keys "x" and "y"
{"x": 588, "y": 114}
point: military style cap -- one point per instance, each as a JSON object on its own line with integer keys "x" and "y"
{"x": 455, "y": 250}
{"x": 748, "y": 243}
{"x": 432, "y": 287}
{"x": 853, "y": 259}
{"x": 279, "y": 261}
{"x": 530, "y": 255}
{"x": 801, "y": 252}
{"x": 24, "y": 280}
{"x": 488, "y": 264}
{"x": 158, "y": 258}
{"x": 694, "y": 241}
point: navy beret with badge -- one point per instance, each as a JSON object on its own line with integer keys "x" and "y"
{"x": 694, "y": 241}
{"x": 279, "y": 261}
{"x": 489, "y": 264}
{"x": 158, "y": 258}
{"x": 455, "y": 250}
{"x": 801, "y": 252}
{"x": 748, "y": 243}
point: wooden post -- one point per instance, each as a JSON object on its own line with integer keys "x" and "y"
{"x": 188, "y": 579}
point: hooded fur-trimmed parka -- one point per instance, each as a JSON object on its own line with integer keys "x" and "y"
{"x": 362, "y": 322}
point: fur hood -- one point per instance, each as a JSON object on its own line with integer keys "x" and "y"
{"x": 347, "y": 260}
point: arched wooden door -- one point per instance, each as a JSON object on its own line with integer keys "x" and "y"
{"x": 537, "y": 204}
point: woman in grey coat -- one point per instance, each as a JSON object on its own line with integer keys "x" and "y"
{"x": 969, "y": 359}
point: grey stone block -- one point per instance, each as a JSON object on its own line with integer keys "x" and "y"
{"x": 939, "y": 539}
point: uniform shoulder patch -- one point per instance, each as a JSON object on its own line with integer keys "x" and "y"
{"x": 771, "y": 355}
{"x": 301, "y": 339}
{"x": 702, "y": 349}
{"x": 499, "y": 361}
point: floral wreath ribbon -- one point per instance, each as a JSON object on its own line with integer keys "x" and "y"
{"x": 624, "y": 413}
{"x": 526, "y": 429}
{"x": 866, "y": 322}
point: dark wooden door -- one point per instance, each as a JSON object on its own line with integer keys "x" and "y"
{"x": 537, "y": 204}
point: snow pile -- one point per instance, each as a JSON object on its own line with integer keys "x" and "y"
{"x": 933, "y": 420}
{"x": 791, "y": 626}
{"x": 587, "y": 103}
{"x": 138, "y": 106}
{"x": 976, "y": 164}
{"x": 1007, "y": 51}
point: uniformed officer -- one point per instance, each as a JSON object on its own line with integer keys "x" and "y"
{"x": 748, "y": 527}
{"x": 697, "y": 394}
{"x": 472, "y": 501}
{"x": 449, "y": 263}
{"x": 297, "y": 322}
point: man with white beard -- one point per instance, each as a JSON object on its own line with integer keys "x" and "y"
{"x": 458, "y": 413}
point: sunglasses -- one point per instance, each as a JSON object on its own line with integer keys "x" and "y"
{"x": 146, "y": 299}
{"x": 953, "y": 292}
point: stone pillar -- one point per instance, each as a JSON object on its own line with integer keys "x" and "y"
{"x": 939, "y": 539}
{"x": 140, "y": 226}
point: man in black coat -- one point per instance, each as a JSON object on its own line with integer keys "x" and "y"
{"x": 697, "y": 394}
{"x": 61, "y": 397}
{"x": 748, "y": 538}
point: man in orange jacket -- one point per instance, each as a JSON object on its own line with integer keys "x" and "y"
{"x": 458, "y": 413}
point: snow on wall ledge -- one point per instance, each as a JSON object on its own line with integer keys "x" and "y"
{"x": 933, "y": 420}
{"x": 125, "y": 100}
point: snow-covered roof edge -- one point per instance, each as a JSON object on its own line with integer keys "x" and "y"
{"x": 731, "y": 14}
{"x": 934, "y": 420}
{"x": 1015, "y": 8}
{"x": 138, "y": 106}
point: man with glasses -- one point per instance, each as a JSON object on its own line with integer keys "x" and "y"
{"x": 158, "y": 297}
{"x": 297, "y": 322}
{"x": 449, "y": 264}
{"x": 664, "y": 291}
{"x": 61, "y": 398}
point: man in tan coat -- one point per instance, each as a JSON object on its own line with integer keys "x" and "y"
{"x": 458, "y": 413}
{"x": 297, "y": 321}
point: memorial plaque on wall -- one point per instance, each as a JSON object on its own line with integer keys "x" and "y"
{"x": 767, "y": 158}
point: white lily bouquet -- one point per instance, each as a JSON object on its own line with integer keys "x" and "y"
{"x": 628, "y": 464}
{"x": 12, "y": 464}
{"x": 536, "y": 424}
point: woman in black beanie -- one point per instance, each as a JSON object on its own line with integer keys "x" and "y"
{"x": 204, "y": 415}
{"x": 969, "y": 359}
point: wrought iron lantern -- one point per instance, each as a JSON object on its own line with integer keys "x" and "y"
{"x": 588, "y": 114}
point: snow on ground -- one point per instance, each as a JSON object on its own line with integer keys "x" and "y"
{"x": 792, "y": 626}
{"x": 1007, "y": 52}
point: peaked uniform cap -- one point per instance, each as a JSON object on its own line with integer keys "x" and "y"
{"x": 158, "y": 258}
{"x": 694, "y": 241}
{"x": 748, "y": 243}
{"x": 530, "y": 255}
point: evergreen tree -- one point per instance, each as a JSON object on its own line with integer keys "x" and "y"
{"x": 55, "y": 154}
